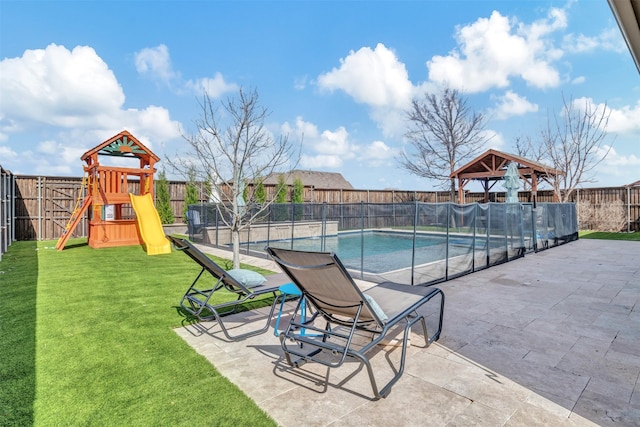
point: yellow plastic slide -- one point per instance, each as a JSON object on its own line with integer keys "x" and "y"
{"x": 150, "y": 225}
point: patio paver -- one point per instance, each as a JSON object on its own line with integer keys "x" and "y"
{"x": 549, "y": 339}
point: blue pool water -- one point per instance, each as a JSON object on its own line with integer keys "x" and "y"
{"x": 380, "y": 251}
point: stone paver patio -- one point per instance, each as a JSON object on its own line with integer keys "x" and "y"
{"x": 549, "y": 339}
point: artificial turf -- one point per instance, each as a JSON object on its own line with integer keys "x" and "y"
{"x": 602, "y": 235}
{"x": 87, "y": 340}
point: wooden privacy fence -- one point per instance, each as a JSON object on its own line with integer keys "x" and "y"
{"x": 7, "y": 226}
{"x": 42, "y": 205}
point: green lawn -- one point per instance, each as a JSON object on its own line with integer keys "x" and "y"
{"x": 587, "y": 234}
{"x": 87, "y": 339}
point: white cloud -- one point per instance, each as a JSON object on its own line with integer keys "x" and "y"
{"x": 320, "y": 161}
{"x": 613, "y": 158}
{"x": 307, "y": 130}
{"x": 326, "y": 149}
{"x": 300, "y": 83}
{"x": 70, "y": 96}
{"x": 494, "y": 140}
{"x": 391, "y": 121}
{"x": 511, "y": 104}
{"x": 71, "y": 90}
{"x": 609, "y": 39}
{"x": 493, "y": 50}
{"x": 330, "y": 149}
{"x": 44, "y": 160}
{"x": 378, "y": 150}
{"x": 616, "y": 169}
{"x": 373, "y": 77}
{"x": 55, "y": 86}
{"x": 215, "y": 87}
{"x": 335, "y": 142}
{"x": 6, "y": 153}
{"x": 378, "y": 153}
{"x": 48, "y": 147}
{"x": 377, "y": 78}
{"x": 624, "y": 120}
{"x": 155, "y": 63}
{"x": 66, "y": 158}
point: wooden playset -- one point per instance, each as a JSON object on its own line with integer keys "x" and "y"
{"x": 106, "y": 190}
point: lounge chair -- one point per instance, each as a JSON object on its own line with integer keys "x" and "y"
{"x": 342, "y": 311}
{"x": 194, "y": 225}
{"x": 197, "y": 300}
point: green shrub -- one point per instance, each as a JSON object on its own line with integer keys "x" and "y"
{"x": 163, "y": 199}
{"x": 280, "y": 208}
{"x": 297, "y": 199}
{"x": 191, "y": 196}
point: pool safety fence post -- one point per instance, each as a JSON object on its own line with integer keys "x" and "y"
{"x": 506, "y": 231}
{"x": 12, "y": 208}
{"x": 393, "y": 208}
{"x": 217, "y": 225}
{"x": 248, "y": 238}
{"x": 366, "y": 216}
{"x": 413, "y": 247}
{"x": 293, "y": 222}
{"x": 40, "y": 185}
{"x": 534, "y": 227}
{"x": 7, "y": 210}
{"x": 488, "y": 227}
{"x": 534, "y": 233}
{"x": 628, "y": 209}
{"x": 269, "y": 225}
{"x": 361, "y": 240}
{"x": 446, "y": 250}
{"x": 324, "y": 227}
{"x": 473, "y": 242}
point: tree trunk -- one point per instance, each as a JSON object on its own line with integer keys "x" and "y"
{"x": 235, "y": 239}
{"x": 452, "y": 191}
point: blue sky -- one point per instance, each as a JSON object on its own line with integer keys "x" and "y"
{"x": 74, "y": 73}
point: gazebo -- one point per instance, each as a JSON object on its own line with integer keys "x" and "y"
{"x": 491, "y": 167}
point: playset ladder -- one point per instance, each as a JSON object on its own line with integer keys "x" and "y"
{"x": 79, "y": 210}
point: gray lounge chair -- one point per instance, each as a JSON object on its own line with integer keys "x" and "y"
{"x": 194, "y": 225}
{"x": 344, "y": 310}
{"x": 197, "y": 300}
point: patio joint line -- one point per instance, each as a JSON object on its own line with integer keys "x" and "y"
{"x": 579, "y": 397}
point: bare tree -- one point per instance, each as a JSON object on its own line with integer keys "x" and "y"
{"x": 525, "y": 148}
{"x": 444, "y": 132}
{"x": 230, "y": 148}
{"x": 605, "y": 216}
{"x": 573, "y": 143}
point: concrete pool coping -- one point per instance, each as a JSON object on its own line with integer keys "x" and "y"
{"x": 549, "y": 339}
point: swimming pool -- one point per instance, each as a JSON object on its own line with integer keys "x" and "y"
{"x": 381, "y": 251}
{"x": 452, "y": 239}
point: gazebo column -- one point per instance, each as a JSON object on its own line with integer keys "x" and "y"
{"x": 534, "y": 188}
{"x": 485, "y": 185}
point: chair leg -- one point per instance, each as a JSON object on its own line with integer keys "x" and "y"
{"x": 386, "y": 389}
{"x": 276, "y": 329}
{"x": 424, "y": 330}
{"x": 216, "y": 316}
